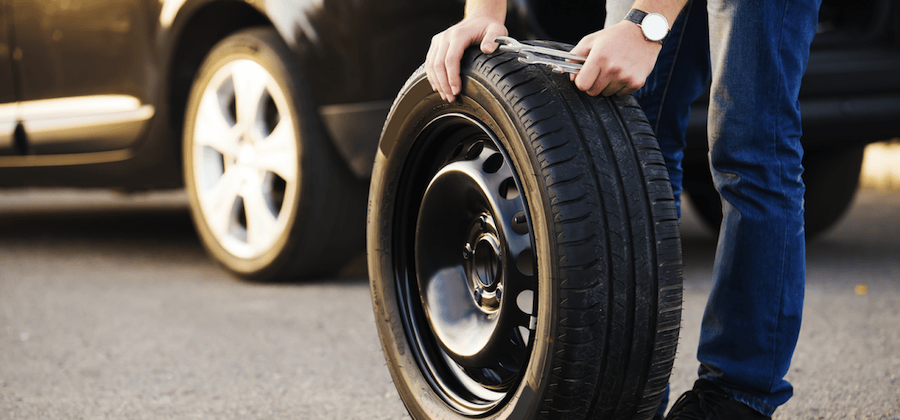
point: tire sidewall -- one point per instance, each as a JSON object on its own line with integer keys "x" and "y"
{"x": 256, "y": 45}
{"x": 416, "y": 106}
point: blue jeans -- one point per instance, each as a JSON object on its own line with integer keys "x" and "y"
{"x": 754, "y": 53}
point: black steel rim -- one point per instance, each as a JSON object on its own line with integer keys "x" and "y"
{"x": 467, "y": 276}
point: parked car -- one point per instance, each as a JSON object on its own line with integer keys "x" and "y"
{"x": 269, "y": 112}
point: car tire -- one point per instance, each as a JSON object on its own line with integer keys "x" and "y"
{"x": 268, "y": 194}
{"x": 523, "y": 248}
{"x": 831, "y": 175}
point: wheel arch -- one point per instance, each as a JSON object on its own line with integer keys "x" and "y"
{"x": 199, "y": 29}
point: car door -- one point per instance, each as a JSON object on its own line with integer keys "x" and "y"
{"x": 84, "y": 68}
{"x": 7, "y": 86}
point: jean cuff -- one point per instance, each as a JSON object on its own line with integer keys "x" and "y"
{"x": 743, "y": 397}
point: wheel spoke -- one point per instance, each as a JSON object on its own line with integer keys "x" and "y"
{"x": 218, "y": 203}
{"x": 213, "y": 128}
{"x": 249, "y": 91}
{"x": 262, "y": 224}
{"x": 278, "y": 152}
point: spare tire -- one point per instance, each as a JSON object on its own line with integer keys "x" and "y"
{"x": 523, "y": 249}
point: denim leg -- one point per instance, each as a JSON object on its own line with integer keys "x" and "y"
{"x": 759, "y": 52}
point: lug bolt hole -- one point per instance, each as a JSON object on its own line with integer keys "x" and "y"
{"x": 474, "y": 150}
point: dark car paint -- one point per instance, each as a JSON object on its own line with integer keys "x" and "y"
{"x": 81, "y": 49}
{"x": 7, "y": 81}
{"x": 355, "y": 56}
{"x": 7, "y": 85}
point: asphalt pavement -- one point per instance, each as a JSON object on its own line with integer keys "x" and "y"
{"x": 109, "y": 309}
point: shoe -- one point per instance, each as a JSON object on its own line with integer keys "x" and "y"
{"x": 709, "y": 402}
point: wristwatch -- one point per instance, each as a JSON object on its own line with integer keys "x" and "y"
{"x": 654, "y": 25}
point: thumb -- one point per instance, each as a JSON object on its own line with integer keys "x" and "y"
{"x": 487, "y": 43}
{"x": 582, "y": 48}
{"x": 488, "y": 47}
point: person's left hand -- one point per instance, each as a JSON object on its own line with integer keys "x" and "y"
{"x": 618, "y": 60}
{"x": 447, "y": 48}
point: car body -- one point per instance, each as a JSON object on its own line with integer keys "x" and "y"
{"x": 93, "y": 91}
{"x": 98, "y": 93}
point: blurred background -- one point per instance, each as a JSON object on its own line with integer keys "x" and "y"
{"x": 881, "y": 166}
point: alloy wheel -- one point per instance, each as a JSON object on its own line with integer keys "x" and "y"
{"x": 245, "y": 158}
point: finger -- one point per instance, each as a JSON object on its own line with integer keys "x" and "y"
{"x": 613, "y": 89}
{"x": 609, "y": 81}
{"x": 452, "y": 60}
{"x": 572, "y": 76}
{"x": 597, "y": 88}
{"x": 624, "y": 86}
{"x": 488, "y": 45}
{"x": 429, "y": 62}
{"x": 592, "y": 69}
{"x": 586, "y": 79}
{"x": 582, "y": 48}
{"x": 626, "y": 91}
{"x": 434, "y": 65}
{"x": 440, "y": 70}
{"x": 602, "y": 83}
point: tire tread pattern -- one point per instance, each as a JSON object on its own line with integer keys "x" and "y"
{"x": 609, "y": 196}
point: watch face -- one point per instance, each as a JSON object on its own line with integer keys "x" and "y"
{"x": 655, "y": 26}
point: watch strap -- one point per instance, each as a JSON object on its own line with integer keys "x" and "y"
{"x": 637, "y": 16}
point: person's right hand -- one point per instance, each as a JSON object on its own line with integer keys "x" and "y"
{"x": 447, "y": 48}
{"x": 618, "y": 60}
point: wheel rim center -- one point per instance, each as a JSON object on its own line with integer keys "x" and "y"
{"x": 486, "y": 261}
{"x": 246, "y": 155}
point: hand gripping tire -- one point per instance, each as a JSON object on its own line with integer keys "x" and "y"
{"x": 524, "y": 250}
